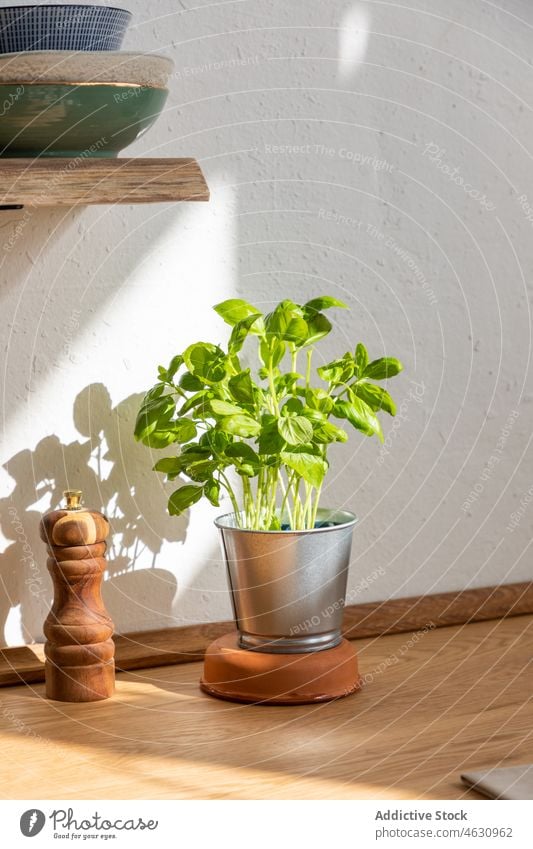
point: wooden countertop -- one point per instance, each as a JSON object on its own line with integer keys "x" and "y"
{"x": 434, "y": 704}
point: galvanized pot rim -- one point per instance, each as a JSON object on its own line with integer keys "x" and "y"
{"x": 343, "y": 519}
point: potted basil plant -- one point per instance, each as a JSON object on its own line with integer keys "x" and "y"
{"x": 261, "y": 438}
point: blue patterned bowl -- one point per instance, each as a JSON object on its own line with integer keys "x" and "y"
{"x": 62, "y": 27}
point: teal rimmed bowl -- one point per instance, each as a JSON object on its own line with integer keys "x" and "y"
{"x": 75, "y": 119}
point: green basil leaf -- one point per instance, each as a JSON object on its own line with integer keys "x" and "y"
{"x": 286, "y": 323}
{"x": 224, "y": 408}
{"x": 361, "y": 358}
{"x": 242, "y": 387}
{"x": 332, "y": 372}
{"x": 325, "y": 302}
{"x": 206, "y": 361}
{"x": 318, "y": 326}
{"x": 175, "y": 364}
{"x": 184, "y": 429}
{"x": 190, "y": 382}
{"x": 292, "y": 407}
{"x": 314, "y": 415}
{"x": 193, "y": 454}
{"x": 234, "y": 310}
{"x": 383, "y": 368}
{"x": 154, "y": 403}
{"x": 360, "y": 416}
{"x": 243, "y": 451}
{"x": 241, "y": 331}
{"x": 309, "y": 466}
{"x": 212, "y": 492}
{"x": 183, "y": 498}
{"x": 202, "y": 470}
{"x": 272, "y": 351}
{"x": 153, "y": 415}
{"x": 296, "y": 430}
{"x": 318, "y": 399}
{"x": 172, "y": 467}
{"x": 179, "y": 430}
{"x": 200, "y": 399}
{"x": 297, "y": 332}
{"x": 168, "y": 465}
{"x": 326, "y": 432}
{"x": 339, "y": 371}
{"x": 215, "y": 440}
{"x": 153, "y": 393}
{"x": 285, "y": 383}
{"x": 159, "y": 439}
{"x": 270, "y": 441}
{"x": 375, "y": 397}
{"x": 240, "y": 425}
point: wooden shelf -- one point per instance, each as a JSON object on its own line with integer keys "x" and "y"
{"x": 70, "y": 182}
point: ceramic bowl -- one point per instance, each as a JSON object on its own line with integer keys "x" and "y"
{"x": 79, "y": 120}
{"x": 62, "y": 27}
{"x": 62, "y": 66}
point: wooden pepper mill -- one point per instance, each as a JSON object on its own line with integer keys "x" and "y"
{"x": 79, "y": 651}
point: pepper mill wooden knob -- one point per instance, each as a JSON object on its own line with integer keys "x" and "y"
{"x": 79, "y": 651}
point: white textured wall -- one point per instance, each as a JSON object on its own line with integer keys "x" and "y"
{"x": 376, "y": 151}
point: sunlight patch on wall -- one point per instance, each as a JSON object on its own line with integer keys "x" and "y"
{"x": 12, "y": 629}
{"x": 353, "y": 40}
{"x": 77, "y": 428}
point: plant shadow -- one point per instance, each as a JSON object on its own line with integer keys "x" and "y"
{"x": 113, "y": 472}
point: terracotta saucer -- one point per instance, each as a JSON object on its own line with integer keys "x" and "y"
{"x": 244, "y": 675}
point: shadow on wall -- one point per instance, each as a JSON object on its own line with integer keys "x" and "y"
{"x": 115, "y": 475}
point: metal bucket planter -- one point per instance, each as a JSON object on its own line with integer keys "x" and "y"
{"x": 288, "y": 588}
